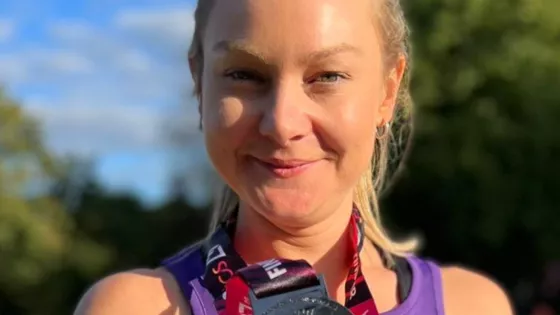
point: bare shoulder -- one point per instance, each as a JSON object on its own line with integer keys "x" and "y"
{"x": 135, "y": 292}
{"x": 470, "y": 292}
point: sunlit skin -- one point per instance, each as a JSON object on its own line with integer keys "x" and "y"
{"x": 309, "y": 93}
{"x": 292, "y": 94}
{"x": 290, "y": 112}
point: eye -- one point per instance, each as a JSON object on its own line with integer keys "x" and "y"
{"x": 328, "y": 77}
{"x": 243, "y": 75}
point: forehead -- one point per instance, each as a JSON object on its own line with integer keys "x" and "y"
{"x": 292, "y": 26}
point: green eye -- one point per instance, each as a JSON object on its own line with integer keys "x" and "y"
{"x": 328, "y": 77}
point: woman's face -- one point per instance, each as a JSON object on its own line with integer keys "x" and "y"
{"x": 292, "y": 93}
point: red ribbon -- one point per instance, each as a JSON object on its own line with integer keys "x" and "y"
{"x": 278, "y": 276}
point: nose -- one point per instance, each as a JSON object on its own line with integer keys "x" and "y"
{"x": 284, "y": 117}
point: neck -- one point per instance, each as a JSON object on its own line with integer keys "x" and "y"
{"x": 324, "y": 244}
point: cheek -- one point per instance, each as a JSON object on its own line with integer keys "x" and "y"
{"x": 223, "y": 129}
{"x": 357, "y": 135}
{"x": 351, "y": 132}
{"x": 353, "y": 124}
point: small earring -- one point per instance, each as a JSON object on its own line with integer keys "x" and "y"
{"x": 383, "y": 131}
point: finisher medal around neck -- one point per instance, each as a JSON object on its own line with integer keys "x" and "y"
{"x": 280, "y": 287}
{"x": 307, "y": 306}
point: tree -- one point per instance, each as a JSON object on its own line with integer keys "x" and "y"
{"x": 484, "y": 166}
{"x": 31, "y": 239}
{"x": 36, "y": 234}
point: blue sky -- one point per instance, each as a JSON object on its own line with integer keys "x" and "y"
{"x": 105, "y": 77}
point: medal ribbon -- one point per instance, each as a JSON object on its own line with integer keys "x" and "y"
{"x": 276, "y": 276}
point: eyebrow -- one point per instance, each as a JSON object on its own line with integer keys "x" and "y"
{"x": 226, "y": 46}
{"x": 247, "y": 49}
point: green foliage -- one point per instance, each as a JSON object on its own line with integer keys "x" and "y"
{"x": 31, "y": 238}
{"x": 484, "y": 165}
{"x": 37, "y": 236}
{"x": 48, "y": 255}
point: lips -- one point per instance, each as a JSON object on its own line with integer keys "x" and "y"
{"x": 285, "y": 163}
{"x": 285, "y": 168}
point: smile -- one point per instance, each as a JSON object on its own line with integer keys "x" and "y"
{"x": 285, "y": 168}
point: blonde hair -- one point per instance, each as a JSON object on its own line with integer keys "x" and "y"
{"x": 388, "y": 148}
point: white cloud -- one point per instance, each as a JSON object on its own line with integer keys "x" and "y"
{"x": 134, "y": 61}
{"x": 115, "y": 51}
{"x": 88, "y": 123}
{"x": 177, "y": 23}
{"x": 83, "y": 36}
{"x": 109, "y": 91}
{"x": 84, "y": 128}
{"x": 13, "y": 69}
{"x": 62, "y": 62}
{"x": 70, "y": 30}
{"x": 39, "y": 65}
{"x": 7, "y": 29}
{"x": 170, "y": 27}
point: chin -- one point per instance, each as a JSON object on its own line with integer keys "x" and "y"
{"x": 289, "y": 206}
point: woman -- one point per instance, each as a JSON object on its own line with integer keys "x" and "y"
{"x": 296, "y": 100}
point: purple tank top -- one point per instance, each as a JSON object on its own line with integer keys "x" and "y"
{"x": 425, "y": 298}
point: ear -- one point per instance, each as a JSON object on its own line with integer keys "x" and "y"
{"x": 391, "y": 91}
